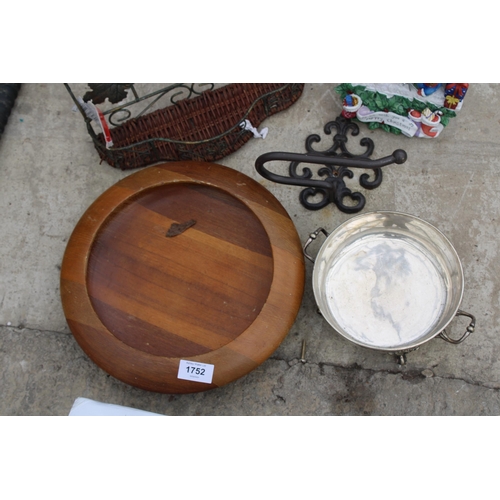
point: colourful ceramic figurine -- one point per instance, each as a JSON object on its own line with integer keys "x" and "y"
{"x": 350, "y": 105}
{"x": 427, "y": 122}
{"x": 454, "y": 94}
{"x": 425, "y": 89}
{"x": 430, "y": 122}
{"x": 412, "y": 109}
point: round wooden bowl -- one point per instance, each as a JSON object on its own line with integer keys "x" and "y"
{"x": 182, "y": 261}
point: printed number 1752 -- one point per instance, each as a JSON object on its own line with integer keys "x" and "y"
{"x": 193, "y": 370}
{"x": 196, "y": 370}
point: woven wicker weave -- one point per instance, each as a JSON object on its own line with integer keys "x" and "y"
{"x": 206, "y": 127}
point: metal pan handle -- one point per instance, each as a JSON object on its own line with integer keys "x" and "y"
{"x": 311, "y": 238}
{"x": 468, "y": 331}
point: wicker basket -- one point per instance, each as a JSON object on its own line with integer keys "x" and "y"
{"x": 206, "y": 127}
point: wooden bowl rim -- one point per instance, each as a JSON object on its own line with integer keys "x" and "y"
{"x": 233, "y": 360}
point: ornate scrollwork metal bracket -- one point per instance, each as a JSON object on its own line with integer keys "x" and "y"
{"x": 117, "y": 93}
{"x": 337, "y": 162}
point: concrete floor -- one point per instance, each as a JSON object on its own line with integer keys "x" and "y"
{"x": 50, "y": 173}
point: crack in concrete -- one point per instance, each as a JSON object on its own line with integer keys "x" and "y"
{"x": 411, "y": 374}
{"x": 465, "y": 191}
{"x": 294, "y": 361}
{"x": 23, "y": 327}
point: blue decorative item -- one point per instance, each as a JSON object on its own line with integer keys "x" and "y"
{"x": 425, "y": 89}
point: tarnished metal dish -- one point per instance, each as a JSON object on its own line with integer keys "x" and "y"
{"x": 388, "y": 281}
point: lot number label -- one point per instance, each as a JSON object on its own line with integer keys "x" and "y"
{"x": 198, "y": 372}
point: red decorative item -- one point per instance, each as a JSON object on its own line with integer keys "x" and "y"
{"x": 348, "y": 115}
{"x": 350, "y": 105}
{"x": 454, "y": 94}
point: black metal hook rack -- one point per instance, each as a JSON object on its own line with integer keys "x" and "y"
{"x": 337, "y": 162}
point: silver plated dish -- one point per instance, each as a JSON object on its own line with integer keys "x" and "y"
{"x": 388, "y": 281}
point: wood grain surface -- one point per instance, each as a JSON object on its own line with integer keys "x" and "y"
{"x": 185, "y": 260}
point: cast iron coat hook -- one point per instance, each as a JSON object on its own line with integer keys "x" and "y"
{"x": 332, "y": 189}
{"x": 337, "y": 161}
